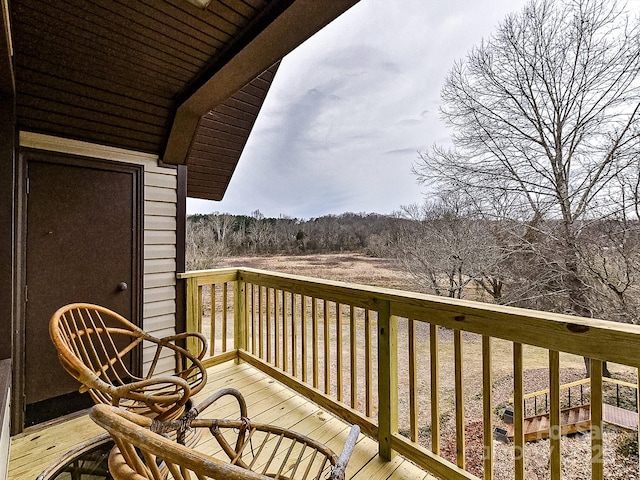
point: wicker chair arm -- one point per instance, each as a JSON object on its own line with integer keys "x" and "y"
{"x": 139, "y": 437}
{"x": 202, "y": 465}
{"x": 87, "y": 377}
{"x": 167, "y": 390}
{"x": 207, "y": 402}
{"x": 172, "y": 339}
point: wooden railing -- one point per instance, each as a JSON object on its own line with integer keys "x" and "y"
{"x": 537, "y": 402}
{"x": 398, "y": 363}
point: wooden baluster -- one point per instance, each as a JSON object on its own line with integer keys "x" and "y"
{"x": 276, "y": 318}
{"x": 252, "y": 302}
{"x": 487, "y": 411}
{"x": 518, "y": 411}
{"x": 435, "y": 388}
{"x": 193, "y": 308}
{"x": 314, "y": 339}
{"x": 459, "y": 399}
{"x": 200, "y": 308}
{"x": 353, "y": 351}
{"x": 413, "y": 380}
{"x": 304, "y": 340}
{"x": 224, "y": 316}
{"x": 339, "y": 385}
{"x": 240, "y": 317}
{"x": 555, "y": 456}
{"x": 212, "y": 321}
{"x": 261, "y": 352}
{"x": 368, "y": 367}
{"x": 269, "y": 318}
{"x": 294, "y": 336}
{"x": 597, "y": 460}
{"x": 327, "y": 350}
{"x": 285, "y": 333}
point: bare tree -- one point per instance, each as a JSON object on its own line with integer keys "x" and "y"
{"x": 260, "y": 232}
{"x": 445, "y": 249}
{"x": 202, "y": 250}
{"x": 223, "y": 225}
{"x": 545, "y": 116}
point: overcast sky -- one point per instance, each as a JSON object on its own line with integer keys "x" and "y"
{"x": 351, "y": 107}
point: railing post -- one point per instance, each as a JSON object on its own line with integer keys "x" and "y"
{"x": 240, "y": 316}
{"x": 387, "y": 379}
{"x": 597, "y": 454}
{"x": 193, "y": 312}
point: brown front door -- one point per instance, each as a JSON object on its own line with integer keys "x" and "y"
{"x": 83, "y": 245}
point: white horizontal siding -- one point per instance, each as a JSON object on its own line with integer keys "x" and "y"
{"x": 160, "y": 194}
{"x": 157, "y": 222}
{"x": 160, "y": 265}
{"x": 153, "y": 280}
{"x": 160, "y": 294}
{"x": 154, "y": 309}
{"x": 158, "y": 322}
{"x": 159, "y": 237}
{"x": 163, "y": 180}
{"x": 159, "y": 252}
{"x": 160, "y": 210}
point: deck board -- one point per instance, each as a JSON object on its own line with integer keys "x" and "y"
{"x": 268, "y": 402}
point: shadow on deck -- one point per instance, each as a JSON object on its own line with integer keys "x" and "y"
{"x": 268, "y": 402}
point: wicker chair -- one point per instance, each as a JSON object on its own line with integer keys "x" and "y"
{"x": 93, "y": 343}
{"x": 260, "y": 452}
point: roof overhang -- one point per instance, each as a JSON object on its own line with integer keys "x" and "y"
{"x": 291, "y": 28}
{"x": 221, "y": 137}
{"x": 155, "y": 76}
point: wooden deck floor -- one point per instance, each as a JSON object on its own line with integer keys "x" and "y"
{"x": 268, "y": 402}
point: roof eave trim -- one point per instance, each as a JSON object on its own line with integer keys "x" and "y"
{"x": 295, "y": 25}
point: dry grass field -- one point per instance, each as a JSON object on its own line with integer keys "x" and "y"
{"x": 351, "y": 267}
{"x": 621, "y": 460}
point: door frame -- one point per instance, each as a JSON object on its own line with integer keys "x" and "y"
{"x": 19, "y": 341}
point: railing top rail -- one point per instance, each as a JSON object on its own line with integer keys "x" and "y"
{"x": 208, "y": 272}
{"x": 593, "y": 338}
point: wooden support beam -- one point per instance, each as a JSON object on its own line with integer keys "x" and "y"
{"x": 487, "y": 410}
{"x": 555, "y": 456}
{"x": 387, "y": 379}
{"x": 518, "y": 411}
{"x": 8, "y": 178}
{"x": 7, "y": 75}
{"x": 295, "y": 25}
{"x": 597, "y": 454}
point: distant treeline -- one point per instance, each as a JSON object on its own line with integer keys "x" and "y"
{"x": 211, "y": 236}
{"x": 448, "y": 250}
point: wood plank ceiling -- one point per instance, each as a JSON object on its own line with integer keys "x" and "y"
{"x": 158, "y": 76}
{"x": 113, "y": 72}
{"x": 221, "y": 138}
